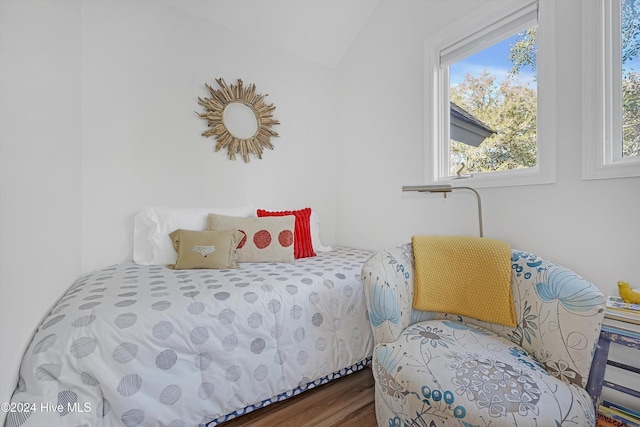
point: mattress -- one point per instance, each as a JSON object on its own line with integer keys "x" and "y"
{"x": 138, "y": 345}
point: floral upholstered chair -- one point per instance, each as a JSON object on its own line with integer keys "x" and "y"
{"x": 439, "y": 369}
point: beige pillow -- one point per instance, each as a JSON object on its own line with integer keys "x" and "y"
{"x": 205, "y": 249}
{"x": 268, "y": 239}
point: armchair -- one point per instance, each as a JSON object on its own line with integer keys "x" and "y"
{"x": 439, "y": 369}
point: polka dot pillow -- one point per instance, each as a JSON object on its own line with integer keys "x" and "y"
{"x": 302, "y": 244}
{"x": 267, "y": 239}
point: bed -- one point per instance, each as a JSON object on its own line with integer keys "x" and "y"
{"x": 146, "y": 345}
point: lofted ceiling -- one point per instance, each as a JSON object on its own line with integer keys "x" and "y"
{"x": 316, "y": 30}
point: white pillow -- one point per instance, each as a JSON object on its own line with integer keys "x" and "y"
{"x": 315, "y": 234}
{"x": 152, "y": 225}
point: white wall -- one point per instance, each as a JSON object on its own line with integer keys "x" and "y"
{"x": 589, "y": 226}
{"x": 144, "y": 64}
{"x": 98, "y": 120}
{"x": 40, "y": 151}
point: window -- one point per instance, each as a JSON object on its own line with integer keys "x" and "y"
{"x": 611, "y": 89}
{"x": 486, "y": 79}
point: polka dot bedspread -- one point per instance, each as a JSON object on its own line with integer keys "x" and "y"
{"x": 134, "y": 345}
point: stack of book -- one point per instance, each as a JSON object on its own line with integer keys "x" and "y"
{"x": 620, "y": 313}
{"x": 612, "y": 415}
{"x": 624, "y": 318}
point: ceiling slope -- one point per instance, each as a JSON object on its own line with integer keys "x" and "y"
{"x": 320, "y": 31}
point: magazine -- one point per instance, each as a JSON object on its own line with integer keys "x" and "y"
{"x": 618, "y": 309}
{"x": 617, "y": 303}
{"x": 613, "y": 417}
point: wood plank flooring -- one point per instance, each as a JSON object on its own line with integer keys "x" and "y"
{"x": 347, "y": 401}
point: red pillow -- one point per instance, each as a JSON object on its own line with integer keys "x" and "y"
{"x": 302, "y": 246}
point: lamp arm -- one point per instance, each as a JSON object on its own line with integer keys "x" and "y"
{"x": 447, "y": 188}
{"x": 479, "y": 206}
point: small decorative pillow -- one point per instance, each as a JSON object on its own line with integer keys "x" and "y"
{"x": 205, "y": 249}
{"x": 302, "y": 245}
{"x": 470, "y": 276}
{"x": 268, "y": 239}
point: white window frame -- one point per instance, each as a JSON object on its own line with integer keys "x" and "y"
{"x": 473, "y": 31}
{"x": 601, "y": 93}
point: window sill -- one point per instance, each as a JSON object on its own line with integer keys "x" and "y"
{"x": 627, "y": 168}
{"x": 529, "y": 176}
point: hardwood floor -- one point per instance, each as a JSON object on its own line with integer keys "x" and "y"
{"x": 347, "y": 401}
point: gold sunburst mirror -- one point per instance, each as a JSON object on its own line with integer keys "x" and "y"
{"x": 239, "y": 119}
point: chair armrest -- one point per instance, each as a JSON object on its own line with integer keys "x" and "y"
{"x": 559, "y": 316}
{"x": 388, "y": 286}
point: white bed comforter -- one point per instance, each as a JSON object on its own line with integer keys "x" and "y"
{"x": 141, "y": 345}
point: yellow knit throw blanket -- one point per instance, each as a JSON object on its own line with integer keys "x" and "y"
{"x": 469, "y": 276}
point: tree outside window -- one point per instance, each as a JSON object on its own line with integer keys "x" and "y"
{"x": 507, "y": 102}
{"x": 505, "y": 99}
{"x": 630, "y": 29}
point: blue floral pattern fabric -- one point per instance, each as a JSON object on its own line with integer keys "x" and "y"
{"x": 434, "y": 369}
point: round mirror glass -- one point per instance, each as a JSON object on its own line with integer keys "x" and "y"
{"x": 240, "y": 120}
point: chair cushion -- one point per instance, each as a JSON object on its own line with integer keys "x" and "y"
{"x": 441, "y": 370}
